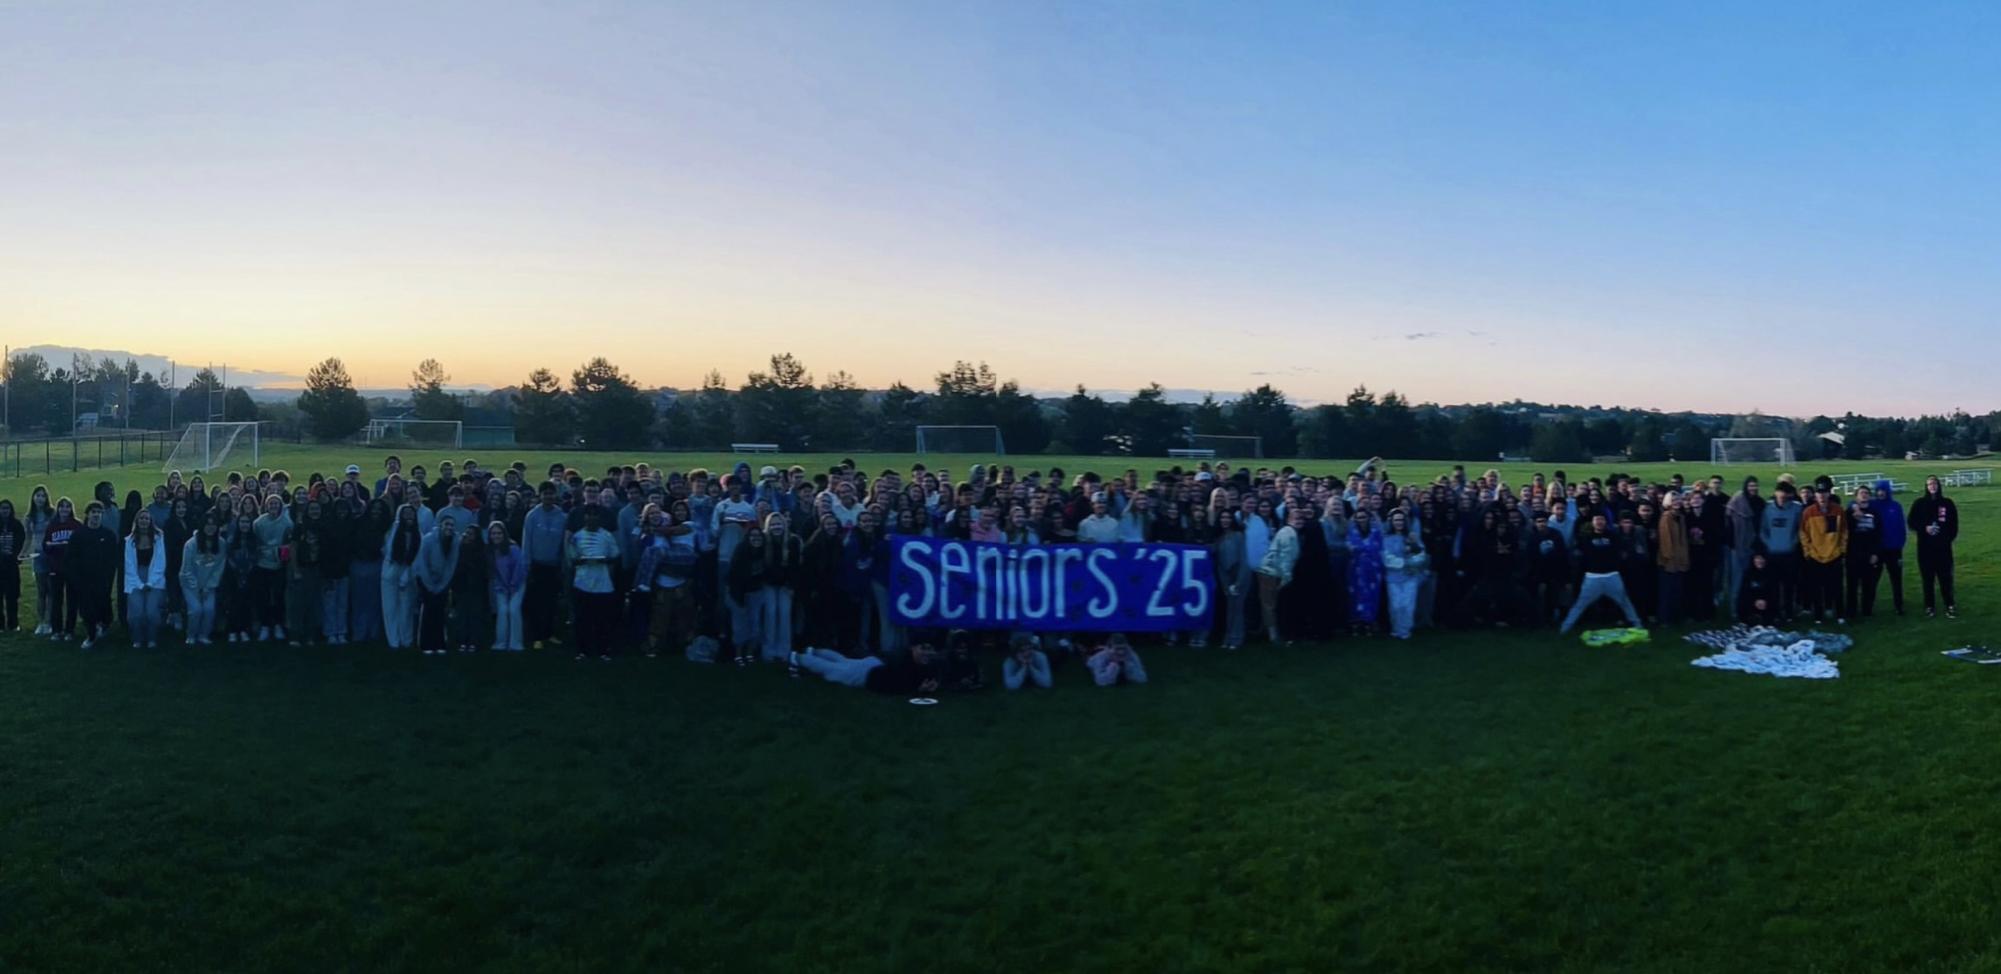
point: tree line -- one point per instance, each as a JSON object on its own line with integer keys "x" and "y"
{"x": 43, "y": 399}
{"x": 598, "y": 406}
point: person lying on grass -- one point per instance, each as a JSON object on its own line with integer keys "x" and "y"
{"x": 920, "y": 670}
{"x": 1116, "y": 662}
{"x": 1026, "y": 663}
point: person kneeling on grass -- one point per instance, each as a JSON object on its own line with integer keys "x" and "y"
{"x": 1599, "y": 552}
{"x": 1116, "y": 662}
{"x": 1026, "y": 663}
{"x": 918, "y": 670}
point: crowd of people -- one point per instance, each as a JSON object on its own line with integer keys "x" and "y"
{"x": 792, "y": 566}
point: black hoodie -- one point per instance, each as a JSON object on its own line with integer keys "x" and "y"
{"x": 1935, "y": 510}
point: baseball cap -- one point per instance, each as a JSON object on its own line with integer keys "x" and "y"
{"x": 768, "y": 471}
{"x": 354, "y": 468}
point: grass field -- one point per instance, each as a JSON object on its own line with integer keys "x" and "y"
{"x": 1486, "y": 801}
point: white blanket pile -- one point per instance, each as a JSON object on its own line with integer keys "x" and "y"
{"x": 1798, "y": 659}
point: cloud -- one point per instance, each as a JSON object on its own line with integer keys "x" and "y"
{"x": 1421, "y": 335}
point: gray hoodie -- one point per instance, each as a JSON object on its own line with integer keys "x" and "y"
{"x": 1779, "y": 527}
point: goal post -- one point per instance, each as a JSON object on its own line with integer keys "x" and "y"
{"x": 423, "y": 432}
{"x": 210, "y": 446}
{"x": 984, "y": 440}
{"x": 1229, "y": 447}
{"x": 1726, "y": 450}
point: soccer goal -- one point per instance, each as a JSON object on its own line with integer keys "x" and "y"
{"x": 1751, "y": 449}
{"x": 983, "y": 440}
{"x": 1228, "y": 447}
{"x": 209, "y": 446}
{"x": 428, "y": 432}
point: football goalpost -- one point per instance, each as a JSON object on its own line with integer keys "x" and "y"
{"x": 1726, "y": 450}
{"x": 984, "y": 440}
{"x": 432, "y": 432}
{"x": 208, "y": 446}
{"x": 1227, "y": 447}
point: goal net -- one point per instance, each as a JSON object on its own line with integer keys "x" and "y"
{"x": 210, "y": 446}
{"x": 423, "y": 432}
{"x": 982, "y": 440}
{"x": 1229, "y": 447}
{"x": 1761, "y": 449}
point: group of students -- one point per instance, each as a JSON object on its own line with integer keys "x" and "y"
{"x": 786, "y": 566}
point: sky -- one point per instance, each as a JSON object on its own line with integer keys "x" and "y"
{"x": 1787, "y": 207}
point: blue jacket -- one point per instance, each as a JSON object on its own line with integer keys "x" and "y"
{"x": 1890, "y": 529}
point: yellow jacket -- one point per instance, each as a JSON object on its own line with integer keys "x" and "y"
{"x": 1819, "y": 542}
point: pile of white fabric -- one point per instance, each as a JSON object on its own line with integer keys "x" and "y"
{"x": 1798, "y": 659}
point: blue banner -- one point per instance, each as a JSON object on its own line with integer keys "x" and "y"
{"x": 935, "y": 583}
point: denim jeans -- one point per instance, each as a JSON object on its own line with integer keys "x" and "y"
{"x": 143, "y": 609}
{"x": 333, "y": 607}
{"x": 507, "y": 619}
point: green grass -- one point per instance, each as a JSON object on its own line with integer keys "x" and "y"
{"x": 1466, "y": 801}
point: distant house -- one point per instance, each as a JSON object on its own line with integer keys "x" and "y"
{"x": 86, "y": 422}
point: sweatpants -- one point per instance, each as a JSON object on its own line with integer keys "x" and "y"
{"x": 434, "y": 607}
{"x": 1893, "y": 572}
{"x": 201, "y": 611}
{"x": 835, "y": 668}
{"x": 1936, "y": 568}
{"x": 1601, "y": 586}
{"x": 1861, "y": 589}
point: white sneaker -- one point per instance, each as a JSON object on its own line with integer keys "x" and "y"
{"x": 88, "y": 643}
{"x": 263, "y": 633}
{"x": 278, "y": 632}
{"x": 43, "y": 629}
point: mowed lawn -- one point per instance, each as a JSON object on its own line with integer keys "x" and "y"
{"x": 1467, "y": 801}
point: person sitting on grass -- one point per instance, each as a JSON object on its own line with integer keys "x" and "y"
{"x": 1758, "y": 592}
{"x": 1026, "y": 663}
{"x": 917, "y": 670}
{"x": 1116, "y": 662}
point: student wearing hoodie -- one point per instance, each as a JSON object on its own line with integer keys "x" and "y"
{"x": 1405, "y": 565}
{"x": 92, "y": 563}
{"x": 1823, "y": 546}
{"x": 401, "y": 549}
{"x": 1757, "y": 597}
{"x": 437, "y": 562}
{"x": 1935, "y": 520}
{"x": 1599, "y": 554}
{"x": 1741, "y": 514}
{"x": 202, "y": 563}
{"x": 506, "y": 579}
{"x": 1275, "y": 571}
{"x": 1890, "y": 538}
{"x": 145, "y": 581}
{"x": 1779, "y": 535}
{"x": 1864, "y": 566}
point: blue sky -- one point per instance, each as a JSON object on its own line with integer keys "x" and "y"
{"x": 1709, "y": 206}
